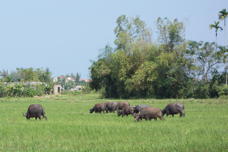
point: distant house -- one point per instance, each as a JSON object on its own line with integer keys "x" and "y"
{"x": 57, "y": 89}
{"x": 69, "y": 79}
{"x": 61, "y": 77}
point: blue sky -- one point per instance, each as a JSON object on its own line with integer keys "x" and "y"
{"x": 65, "y": 35}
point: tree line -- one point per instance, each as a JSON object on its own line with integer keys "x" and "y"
{"x": 26, "y": 74}
{"x": 171, "y": 67}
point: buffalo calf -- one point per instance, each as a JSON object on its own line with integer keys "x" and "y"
{"x": 138, "y": 108}
{"x": 149, "y": 113}
{"x": 125, "y": 111}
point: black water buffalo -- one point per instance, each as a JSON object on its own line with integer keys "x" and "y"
{"x": 35, "y": 111}
{"x": 138, "y": 108}
{"x": 149, "y": 113}
{"x": 98, "y": 108}
{"x": 110, "y": 106}
{"x": 174, "y": 108}
{"x": 122, "y": 105}
{"x": 127, "y": 110}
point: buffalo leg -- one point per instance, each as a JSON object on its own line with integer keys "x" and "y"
{"x": 182, "y": 114}
{"x": 160, "y": 117}
{"x": 45, "y": 117}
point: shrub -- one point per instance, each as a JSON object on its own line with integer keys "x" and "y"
{"x": 23, "y": 90}
{"x": 2, "y": 90}
{"x": 29, "y": 92}
{"x": 223, "y": 91}
{"x": 201, "y": 91}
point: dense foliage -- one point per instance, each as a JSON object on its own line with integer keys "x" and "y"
{"x": 27, "y": 82}
{"x": 171, "y": 68}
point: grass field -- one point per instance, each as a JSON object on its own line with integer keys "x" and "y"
{"x": 70, "y": 127}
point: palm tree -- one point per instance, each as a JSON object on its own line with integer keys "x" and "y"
{"x": 216, "y": 27}
{"x": 223, "y": 14}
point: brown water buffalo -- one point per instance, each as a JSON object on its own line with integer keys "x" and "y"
{"x": 127, "y": 110}
{"x": 138, "y": 108}
{"x": 111, "y": 106}
{"x": 98, "y": 108}
{"x": 35, "y": 111}
{"x": 149, "y": 113}
{"x": 122, "y": 105}
{"x": 174, "y": 108}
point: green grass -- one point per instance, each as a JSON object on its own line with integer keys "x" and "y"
{"x": 70, "y": 127}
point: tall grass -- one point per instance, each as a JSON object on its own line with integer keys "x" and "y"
{"x": 70, "y": 127}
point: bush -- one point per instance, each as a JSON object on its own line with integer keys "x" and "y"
{"x": 223, "y": 91}
{"x": 29, "y": 92}
{"x": 2, "y": 90}
{"x": 201, "y": 91}
{"x": 22, "y": 90}
{"x": 14, "y": 90}
{"x": 86, "y": 89}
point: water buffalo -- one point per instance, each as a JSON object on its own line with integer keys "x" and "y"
{"x": 98, "y": 108}
{"x": 125, "y": 111}
{"x": 122, "y": 105}
{"x": 174, "y": 108}
{"x": 149, "y": 113}
{"x": 35, "y": 111}
{"x": 111, "y": 106}
{"x": 138, "y": 108}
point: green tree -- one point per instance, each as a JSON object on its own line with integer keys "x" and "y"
{"x": 223, "y": 14}
{"x": 77, "y": 77}
{"x": 4, "y": 74}
{"x": 105, "y": 52}
{"x": 130, "y": 30}
{"x": 171, "y": 69}
{"x": 171, "y": 33}
{"x": 216, "y": 27}
{"x": 207, "y": 58}
{"x": 141, "y": 83}
{"x": 44, "y": 75}
{"x": 99, "y": 73}
{"x": 138, "y": 68}
{"x": 27, "y": 74}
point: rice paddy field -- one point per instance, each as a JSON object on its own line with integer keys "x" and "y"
{"x": 71, "y": 128}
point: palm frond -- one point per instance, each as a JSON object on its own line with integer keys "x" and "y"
{"x": 220, "y": 28}
{"x": 223, "y": 14}
{"x": 215, "y": 25}
{"x": 212, "y": 26}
